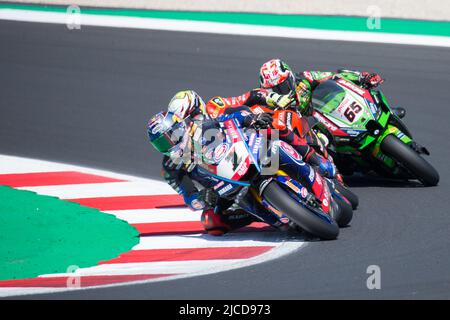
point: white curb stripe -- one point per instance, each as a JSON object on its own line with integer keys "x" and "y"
{"x": 205, "y": 241}
{"x": 223, "y": 28}
{"x": 13, "y": 164}
{"x": 164, "y": 267}
{"x": 110, "y": 189}
{"x": 156, "y": 215}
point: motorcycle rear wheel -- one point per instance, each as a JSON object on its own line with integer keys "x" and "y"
{"x": 348, "y": 194}
{"x": 344, "y": 212}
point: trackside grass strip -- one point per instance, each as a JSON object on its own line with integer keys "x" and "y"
{"x": 42, "y": 235}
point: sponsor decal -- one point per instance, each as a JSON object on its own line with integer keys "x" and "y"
{"x": 289, "y": 121}
{"x": 281, "y": 119}
{"x": 251, "y": 139}
{"x": 197, "y": 204}
{"x": 232, "y": 130}
{"x": 274, "y": 210}
{"x": 311, "y": 175}
{"x": 290, "y": 150}
{"x": 304, "y": 192}
{"x": 220, "y": 152}
{"x": 219, "y": 185}
{"x": 319, "y": 180}
{"x": 353, "y": 133}
{"x": 328, "y": 124}
{"x": 351, "y": 86}
{"x": 243, "y": 169}
{"x": 225, "y": 189}
{"x": 257, "y": 145}
{"x": 325, "y": 202}
{"x": 332, "y": 127}
{"x": 293, "y": 187}
{"x": 284, "y": 220}
{"x": 257, "y": 110}
{"x": 373, "y": 107}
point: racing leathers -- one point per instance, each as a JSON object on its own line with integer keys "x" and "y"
{"x": 287, "y": 121}
{"x": 305, "y": 81}
{"x": 219, "y": 215}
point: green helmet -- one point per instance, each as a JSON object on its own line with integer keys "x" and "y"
{"x": 165, "y": 130}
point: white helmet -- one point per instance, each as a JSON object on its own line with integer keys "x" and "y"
{"x": 186, "y": 103}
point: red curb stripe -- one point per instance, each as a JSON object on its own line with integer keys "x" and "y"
{"x": 85, "y": 281}
{"x": 188, "y": 254}
{"x": 132, "y": 202}
{"x": 187, "y": 227}
{"x": 35, "y": 179}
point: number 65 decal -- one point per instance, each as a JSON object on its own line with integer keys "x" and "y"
{"x": 352, "y": 110}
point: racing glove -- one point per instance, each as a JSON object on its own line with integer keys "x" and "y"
{"x": 370, "y": 80}
{"x": 259, "y": 121}
{"x": 206, "y": 198}
{"x": 325, "y": 167}
{"x": 276, "y": 100}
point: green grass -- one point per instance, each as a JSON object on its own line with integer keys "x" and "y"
{"x": 42, "y": 234}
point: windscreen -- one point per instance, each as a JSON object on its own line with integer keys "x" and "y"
{"x": 327, "y": 96}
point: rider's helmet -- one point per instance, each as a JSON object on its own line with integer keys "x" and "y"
{"x": 215, "y": 106}
{"x": 165, "y": 130}
{"x": 275, "y": 75}
{"x": 187, "y": 103}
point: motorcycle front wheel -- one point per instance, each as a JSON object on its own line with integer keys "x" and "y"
{"x": 410, "y": 160}
{"x": 305, "y": 219}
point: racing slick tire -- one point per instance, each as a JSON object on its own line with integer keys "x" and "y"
{"x": 410, "y": 160}
{"x": 305, "y": 219}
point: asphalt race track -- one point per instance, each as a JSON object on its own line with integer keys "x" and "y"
{"x": 84, "y": 97}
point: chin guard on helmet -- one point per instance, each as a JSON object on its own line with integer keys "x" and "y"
{"x": 277, "y": 76}
{"x": 165, "y": 130}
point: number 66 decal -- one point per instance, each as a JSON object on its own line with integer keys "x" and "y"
{"x": 351, "y": 111}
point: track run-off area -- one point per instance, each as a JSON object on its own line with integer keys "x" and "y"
{"x": 83, "y": 97}
{"x": 172, "y": 243}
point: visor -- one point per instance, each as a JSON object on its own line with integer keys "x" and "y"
{"x": 286, "y": 87}
{"x": 170, "y": 132}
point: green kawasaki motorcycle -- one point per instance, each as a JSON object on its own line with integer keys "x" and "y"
{"x": 366, "y": 135}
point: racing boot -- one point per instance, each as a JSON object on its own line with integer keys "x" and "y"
{"x": 218, "y": 224}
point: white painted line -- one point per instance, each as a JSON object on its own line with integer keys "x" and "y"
{"x": 156, "y": 215}
{"x": 20, "y": 291}
{"x": 224, "y": 28}
{"x": 109, "y": 189}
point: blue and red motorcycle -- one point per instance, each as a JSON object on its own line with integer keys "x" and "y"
{"x": 272, "y": 183}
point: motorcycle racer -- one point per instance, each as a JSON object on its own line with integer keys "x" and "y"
{"x": 280, "y": 87}
{"x": 293, "y": 129}
{"x": 218, "y": 216}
